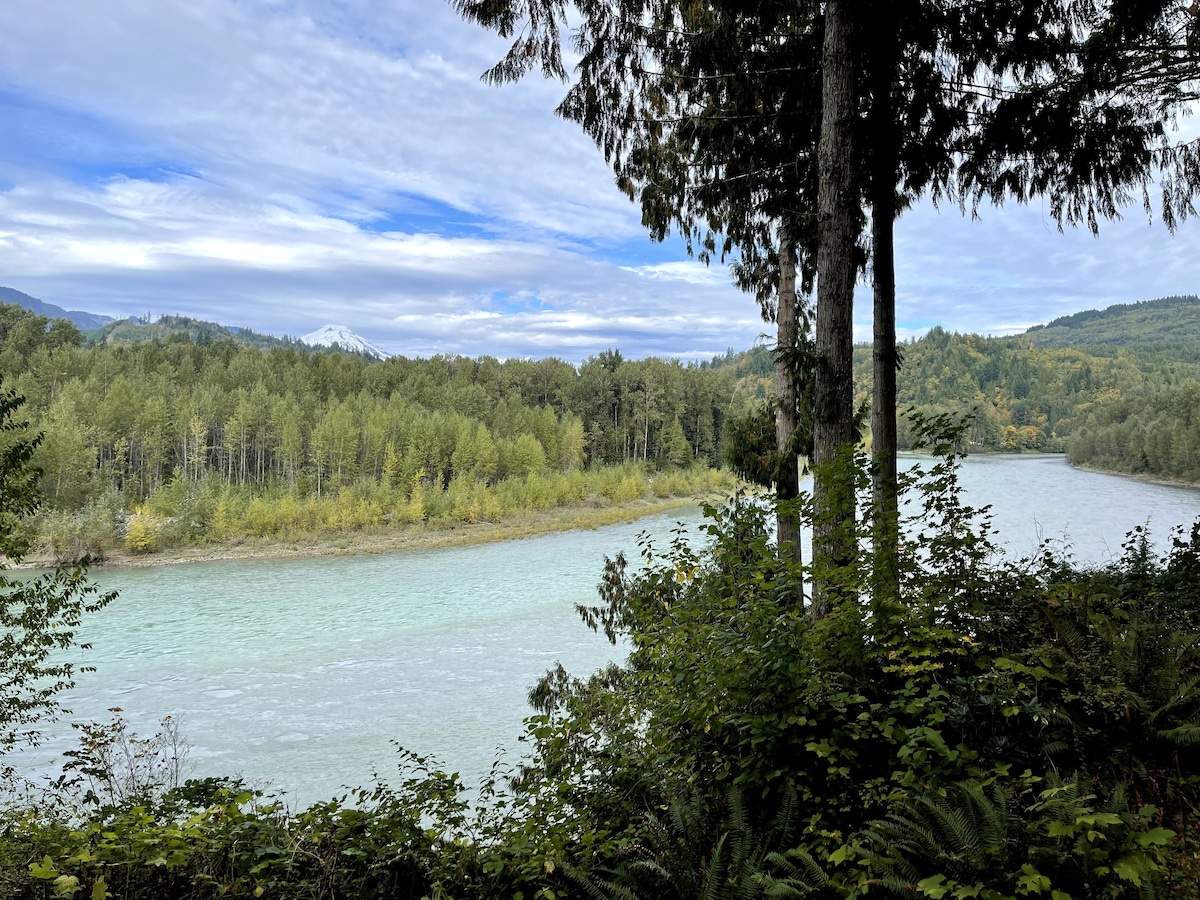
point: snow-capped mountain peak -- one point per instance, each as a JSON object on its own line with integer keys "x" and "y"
{"x": 344, "y": 338}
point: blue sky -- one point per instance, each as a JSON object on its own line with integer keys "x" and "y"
{"x": 285, "y": 164}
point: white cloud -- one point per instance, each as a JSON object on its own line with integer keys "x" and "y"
{"x": 688, "y": 271}
{"x": 277, "y": 103}
{"x": 124, "y": 248}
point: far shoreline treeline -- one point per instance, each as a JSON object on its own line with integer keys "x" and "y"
{"x": 184, "y": 441}
{"x": 1117, "y": 390}
{"x": 167, "y": 444}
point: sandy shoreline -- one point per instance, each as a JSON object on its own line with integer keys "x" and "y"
{"x": 389, "y": 540}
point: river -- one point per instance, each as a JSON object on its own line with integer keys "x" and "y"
{"x": 300, "y": 673}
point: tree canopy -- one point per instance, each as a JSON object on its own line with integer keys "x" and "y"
{"x": 762, "y": 130}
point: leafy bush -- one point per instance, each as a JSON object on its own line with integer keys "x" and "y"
{"x": 889, "y": 727}
{"x": 141, "y": 532}
{"x": 124, "y": 824}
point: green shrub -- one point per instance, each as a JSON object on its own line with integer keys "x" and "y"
{"x": 891, "y": 728}
{"x": 141, "y": 532}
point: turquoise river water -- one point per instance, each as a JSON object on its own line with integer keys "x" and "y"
{"x": 302, "y": 672}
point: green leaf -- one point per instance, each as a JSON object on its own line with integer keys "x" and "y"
{"x": 1032, "y": 882}
{"x": 1061, "y": 829}
{"x": 935, "y": 740}
{"x": 934, "y": 886}
{"x": 1127, "y": 869}
{"x": 44, "y": 870}
{"x": 1099, "y": 819}
{"x": 1155, "y": 837}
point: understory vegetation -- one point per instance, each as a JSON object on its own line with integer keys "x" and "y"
{"x": 195, "y": 513}
{"x": 1007, "y": 728}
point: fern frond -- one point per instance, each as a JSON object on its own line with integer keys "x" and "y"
{"x": 1187, "y": 735}
{"x": 714, "y": 876}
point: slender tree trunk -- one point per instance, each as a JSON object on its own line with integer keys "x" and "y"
{"x": 885, "y": 503}
{"x": 838, "y": 222}
{"x": 787, "y": 485}
{"x": 646, "y": 430}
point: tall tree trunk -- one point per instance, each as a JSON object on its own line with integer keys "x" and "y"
{"x": 884, "y": 500}
{"x": 646, "y": 436}
{"x": 787, "y": 485}
{"x": 838, "y": 223}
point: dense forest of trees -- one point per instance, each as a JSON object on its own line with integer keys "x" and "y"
{"x": 1027, "y": 397}
{"x": 1103, "y": 386}
{"x": 1166, "y": 320}
{"x": 1126, "y": 407}
{"x": 202, "y": 439}
{"x": 1154, "y": 431}
{"x": 166, "y": 328}
{"x": 184, "y": 439}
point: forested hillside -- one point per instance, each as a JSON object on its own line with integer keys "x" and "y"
{"x": 1117, "y": 388}
{"x": 1026, "y": 397}
{"x": 167, "y": 443}
{"x": 1167, "y": 320}
{"x": 1123, "y": 397}
{"x": 183, "y": 329}
{"x": 1127, "y": 405}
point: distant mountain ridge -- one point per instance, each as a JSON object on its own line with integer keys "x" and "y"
{"x": 1167, "y": 320}
{"x": 108, "y": 330}
{"x": 84, "y": 321}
